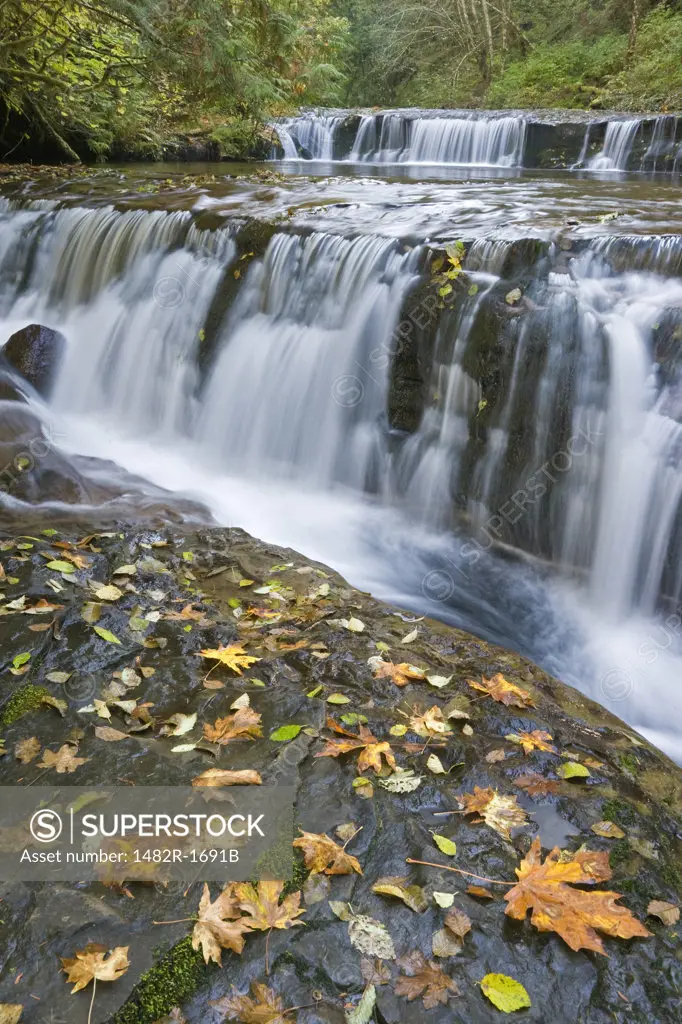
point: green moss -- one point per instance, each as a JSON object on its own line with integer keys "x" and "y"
{"x": 618, "y": 811}
{"x": 620, "y": 852}
{"x": 26, "y": 698}
{"x": 629, "y": 763}
{"x": 164, "y": 986}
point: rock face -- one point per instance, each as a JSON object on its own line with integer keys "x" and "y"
{"x": 35, "y": 351}
{"x": 181, "y": 594}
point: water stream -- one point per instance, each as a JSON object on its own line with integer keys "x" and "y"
{"x": 531, "y": 491}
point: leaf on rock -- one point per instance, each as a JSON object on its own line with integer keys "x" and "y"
{"x": 93, "y": 963}
{"x": 262, "y": 904}
{"x": 28, "y": 749}
{"x": 242, "y": 725}
{"x": 58, "y": 566}
{"x": 219, "y": 925}
{"x": 668, "y": 913}
{"x": 322, "y": 854}
{"x": 504, "y": 992}
{"x": 444, "y": 899}
{"x": 354, "y": 625}
{"x": 285, "y": 733}
{"x": 430, "y": 723}
{"x": 263, "y": 1006}
{"x": 573, "y": 770}
{"x": 411, "y": 895}
{"x": 372, "y": 750}
{"x": 435, "y": 765}
{"x": 215, "y": 777}
{"x": 573, "y": 914}
{"x": 178, "y": 724}
{"x": 105, "y": 732}
{"x": 374, "y": 972}
{"x": 501, "y": 813}
{"x": 536, "y": 785}
{"x": 480, "y": 891}
{"x": 106, "y": 635}
{"x": 400, "y": 674}
{"x": 64, "y": 761}
{"x": 370, "y": 937}
{"x": 402, "y": 781}
{"x": 233, "y": 657}
{"x": 607, "y": 830}
{"x": 445, "y": 845}
{"x": 108, "y": 593}
{"x": 362, "y": 1013}
{"x": 422, "y": 977}
{"x": 506, "y": 693}
{"x": 538, "y": 739}
{"x": 10, "y": 1013}
{"x": 458, "y": 923}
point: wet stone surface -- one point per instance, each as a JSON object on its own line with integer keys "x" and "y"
{"x": 186, "y": 591}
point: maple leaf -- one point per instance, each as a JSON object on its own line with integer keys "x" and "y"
{"x": 220, "y": 925}
{"x": 244, "y": 724}
{"x": 322, "y": 854}
{"x": 262, "y": 1007}
{"x": 26, "y": 750}
{"x": 94, "y": 964}
{"x": 372, "y": 749}
{"x": 233, "y": 657}
{"x": 506, "y": 693}
{"x": 262, "y": 903}
{"x": 191, "y": 614}
{"x": 573, "y": 914}
{"x": 64, "y": 760}
{"x": 537, "y": 785}
{"x": 399, "y": 674}
{"x": 422, "y": 977}
{"x": 430, "y": 723}
{"x": 501, "y": 813}
{"x": 535, "y": 740}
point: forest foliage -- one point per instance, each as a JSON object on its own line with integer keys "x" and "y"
{"x": 107, "y": 78}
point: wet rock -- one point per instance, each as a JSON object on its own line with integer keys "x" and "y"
{"x": 306, "y": 654}
{"x": 35, "y": 351}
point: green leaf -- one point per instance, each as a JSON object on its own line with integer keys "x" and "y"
{"x": 338, "y": 698}
{"x": 106, "y": 635}
{"x": 354, "y": 719}
{"x": 188, "y": 556}
{"x": 362, "y": 1013}
{"x": 445, "y": 845}
{"x": 473, "y": 290}
{"x": 58, "y": 566}
{"x": 445, "y": 290}
{"x": 316, "y": 692}
{"x": 285, "y": 733}
{"x": 573, "y": 770}
{"x": 505, "y": 993}
{"x": 49, "y": 533}
{"x": 21, "y": 659}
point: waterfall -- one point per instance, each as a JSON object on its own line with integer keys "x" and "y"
{"x": 478, "y": 142}
{"x": 310, "y": 136}
{"x": 618, "y": 142}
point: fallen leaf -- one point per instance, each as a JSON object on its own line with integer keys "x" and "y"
{"x": 374, "y": 972}
{"x": 399, "y": 674}
{"x": 668, "y": 913}
{"x": 178, "y": 724}
{"x": 64, "y": 761}
{"x": 94, "y": 965}
{"x": 322, "y": 854}
{"x": 105, "y": 732}
{"x": 445, "y": 845}
{"x": 402, "y": 781}
{"x": 480, "y": 891}
{"x": 362, "y": 1013}
{"x": 10, "y": 1013}
{"x": 106, "y": 635}
{"x": 458, "y": 923}
{"x": 370, "y": 937}
{"x": 495, "y": 755}
{"x": 444, "y": 899}
{"x": 285, "y": 733}
{"x": 262, "y": 1007}
{"x": 108, "y": 593}
{"x": 242, "y": 725}
{"x": 59, "y": 677}
{"x": 265, "y": 907}
{"x": 445, "y": 944}
{"x": 572, "y": 770}
{"x": 430, "y": 723}
{"x": 233, "y": 657}
{"x": 537, "y": 785}
{"x": 219, "y": 925}
{"x": 435, "y": 765}
{"x": 573, "y": 914}
{"x": 58, "y": 566}
{"x": 505, "y": 993}
{"x": 501, "y": 813}
{"x": 530, "y": 741}
{"x": 506, "y": 693}
{"x": 28, "y": 749}
{"x": 354, "y": 625}
{"x": 607, "y": 830}
{"x": 422, "y": 977}
{"x": 438, "y": 681}
{"x": 411, "y": 895}
{"x": 338, "y": 698}
{"x": 372, "y": 750}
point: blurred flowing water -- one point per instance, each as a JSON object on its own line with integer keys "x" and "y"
{"x": 534, "y": 500}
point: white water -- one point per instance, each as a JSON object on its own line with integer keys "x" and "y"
{"x": 620, "y": 136}
{"x": 288, "y": 430}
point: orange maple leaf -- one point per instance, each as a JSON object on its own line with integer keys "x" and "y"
{"x": 506, "y": 693}
{"x": 573, "y": 914}
{"x": 322, "y": 854}
{"x": 242, "y": 725}
{"x": 538, "y": 739}
{"x": 399, "y": 674}
{"x": 372, "y": 749}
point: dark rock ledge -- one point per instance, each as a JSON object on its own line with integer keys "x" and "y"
{"x": 630, "y": 784}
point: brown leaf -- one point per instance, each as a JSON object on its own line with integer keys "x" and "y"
{"x": 501, "y": 813}
{"x": 495, "y": 755}
{"x": 322, "y": 854}
{"x": 262, "y": 1007}
{"x": 530, "y": 741}
{"x": 226, "y": 777}
{"x": 607, "y": 830}
{"x": 375, "y": 972}
{"x": 26, "y": 750}
{"x": 109, "y": 735}
{"x": 64, "y": 761}
{"x": 668, "y": 913}
{"x": 422, "y": 977}
{"x": 92, "y": 963}
{"x": 573, "y": 914}
{"x": 244, "y": 724}
{"x": 262, "y": 903}
{"x": 431, "y": 723}
{"x": 506, "y": 693}
{"x": 220, "y": 925}
{"x": 458, "y": 923}
{"x": 372, "y": 749}
{"x": 480, "y": 891}
{"x": 399, "y": 674}
{"x": 537, "y": 785}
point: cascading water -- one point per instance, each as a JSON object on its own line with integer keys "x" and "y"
{"x": 620, "y": 136}
{"x": 292, "y": 390}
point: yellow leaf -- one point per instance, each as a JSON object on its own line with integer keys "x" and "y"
{"x": 95, "y": 964}
{"x": 505, "y": 993}
{"x": 233, "y": 657}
